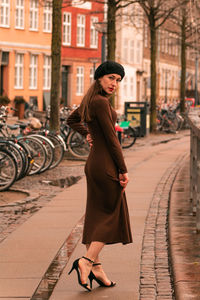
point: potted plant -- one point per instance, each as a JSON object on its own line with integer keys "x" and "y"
{"x": 4, "y": 100}
{"x": 19, "y": 102}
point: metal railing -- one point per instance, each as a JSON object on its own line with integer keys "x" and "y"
{"x": 193, "y": 119}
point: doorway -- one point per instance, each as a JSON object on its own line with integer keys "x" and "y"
{"x": 64, "y": 92}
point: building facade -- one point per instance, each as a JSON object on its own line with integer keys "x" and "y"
{"x": 81, "y": 48}
{"x": 25, "y": 49}
{"x": 129, "y": 52}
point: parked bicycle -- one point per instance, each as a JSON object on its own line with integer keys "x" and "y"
{"x": 127, "y": 134}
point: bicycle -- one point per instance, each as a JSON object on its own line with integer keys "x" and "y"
{"x": 127, "y": 134}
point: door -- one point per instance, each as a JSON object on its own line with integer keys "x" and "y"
{"x": 65, "y": 71}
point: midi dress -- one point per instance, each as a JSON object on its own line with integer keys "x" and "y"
{"x": 106, "y": 216}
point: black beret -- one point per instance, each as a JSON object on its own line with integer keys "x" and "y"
{"x": 109, "y": 67}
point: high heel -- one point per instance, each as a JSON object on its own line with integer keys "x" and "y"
{"x": 75, "y": 266}
{"x": 93, "y": 277}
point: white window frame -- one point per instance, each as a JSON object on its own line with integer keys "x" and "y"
{"x": 146, "y": 35}
{"x": 79, "y": 81}
{"x": 125, "y": 87}
{"x": 132, "y": 51}
{"x": 138, "y": 52}
{"x": 47, "y": 72}
{"x": 132, "y": 86}
{"x": 47, "y": 17}
{"x": 125, "y": 49}
{"x": 67, "y": 20}
{"x": 19, "y": 14}
{"x": 19, "y": 70}
{"x": 33, "y": 15}
{"x": 80, "y": 30}
{"x": 93, "y": 33}
{"x": 33, "y": 71}
{"x": 5, "y": 13}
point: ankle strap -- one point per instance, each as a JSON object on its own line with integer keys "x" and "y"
{"x": 97, "y": 264}
{"x": 91, "y": 261}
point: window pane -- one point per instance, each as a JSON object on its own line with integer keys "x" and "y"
{"x": 67, "y": 29}
{"x": 4, "y": 13}
{"x": 19, "y": 62}
{"x": 33, "y": 14}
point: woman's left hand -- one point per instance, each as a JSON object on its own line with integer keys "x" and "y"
{"x": 123, "y": 180}
{"x": 89, "y": 139}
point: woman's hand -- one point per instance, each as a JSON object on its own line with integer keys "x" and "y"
{"x": 89, "y": 139}
{"x": 123, "y": 180}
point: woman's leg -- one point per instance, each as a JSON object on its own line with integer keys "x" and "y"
{"x": 92, "y": 253}
{"x": 98, "y": 269}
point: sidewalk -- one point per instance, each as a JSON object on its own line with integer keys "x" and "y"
{"x": 28, "y": 252}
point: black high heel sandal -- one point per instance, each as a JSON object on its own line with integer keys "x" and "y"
{"x": 93, "y": 277}
{"x": 76, "y": 267}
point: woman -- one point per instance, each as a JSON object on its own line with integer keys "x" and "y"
{"x": 106, "y": 217}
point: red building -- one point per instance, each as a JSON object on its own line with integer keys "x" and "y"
{"x": 81, "y": 48}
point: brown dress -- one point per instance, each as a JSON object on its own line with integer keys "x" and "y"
{"x": 107, "y": 217}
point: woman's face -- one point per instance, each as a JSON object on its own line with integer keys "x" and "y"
{"x": 110, "y": 82}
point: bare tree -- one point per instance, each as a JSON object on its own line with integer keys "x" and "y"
{"x": 188, "y": 22}
{"x": 157, "y": 12}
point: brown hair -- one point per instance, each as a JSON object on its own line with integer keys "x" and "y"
{"x": 94, "y": 90}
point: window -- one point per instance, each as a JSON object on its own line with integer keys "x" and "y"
{"x": 125, "y": 87}
{"x": 5, "y": 13}
{"x": 33, "y": 14}
{"x": 19, "y": 14}
{"x": 80, "y": 81}
{"x": 138, "y": 53}
{"x": 93, "y": 33}
{"x": 162, "y": 40}
{"x": 125, "y": 49}
{"x": 47, "y": 17}
{"x": 166, "y": 42}
{"x": 66, "y": 28}
{"x": 33, "y": 71}
{"x": 125, "y": 15}
{"x": 132, "y": 51}
{"x": 47, "y": 72}
{"x": 131, "y": 86}
{"x": 19, "y": 65}
{"x": 145, "y": 35}
{"x": 81, "y": 30}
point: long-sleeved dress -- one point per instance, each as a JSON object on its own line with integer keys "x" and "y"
{"x": 106, "y": 217}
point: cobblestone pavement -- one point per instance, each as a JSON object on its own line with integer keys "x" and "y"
{"x": 33, "y": 192}
{"x": 156, "y": 281}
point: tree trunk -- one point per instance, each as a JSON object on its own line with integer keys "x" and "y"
{"x": 153, "y": 76}
{"x": 183, "y": 62}
{"x": 111, "y": 36}
{"x": 111, "y": 30}
{"x": 56, "y": 65}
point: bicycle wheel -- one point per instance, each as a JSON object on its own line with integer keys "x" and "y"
{"x": 38, "y": 153}
{"x": 29, "y": 158}
{"x": 78, "y": 145}
{"x": 8, "y": 169}
{"x": 129, "y": 137}
{"x": 18, "y": 154}
{"x": 49, "y": 148}
{"x": 58, "y": 150}
{"x": 173, "y": 124}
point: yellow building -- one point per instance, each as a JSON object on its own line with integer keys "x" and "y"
{"x": 25, "y": 49}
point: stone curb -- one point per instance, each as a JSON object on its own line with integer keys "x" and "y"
{"x": 184, "y": 242}
{"x": 155, "y": 276}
